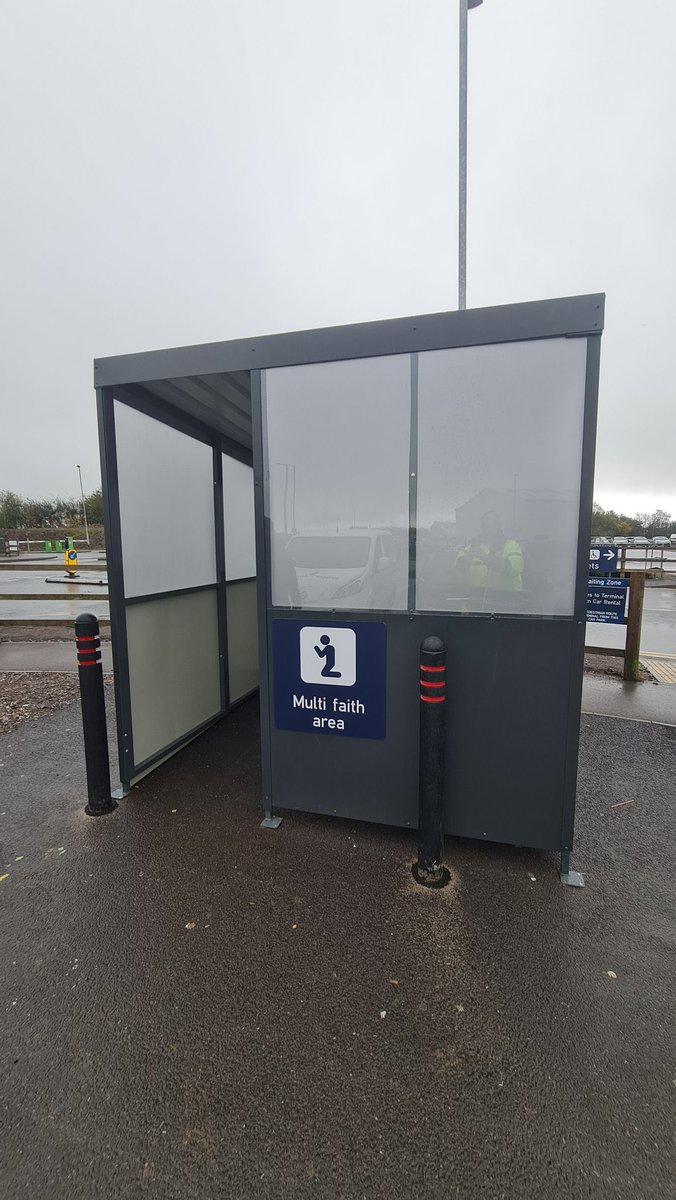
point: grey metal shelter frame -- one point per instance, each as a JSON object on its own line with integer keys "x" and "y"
{"x": 512, "y": 746}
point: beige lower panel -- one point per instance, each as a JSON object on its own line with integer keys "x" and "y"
{"x": 173, "y": 668}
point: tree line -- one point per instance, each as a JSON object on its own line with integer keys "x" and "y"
{"x": 59, "y": 512}
{"x": 608, "y": 523}
{"x": 17, "y": 512}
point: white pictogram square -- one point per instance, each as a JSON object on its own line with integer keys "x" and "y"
{"x": 328, "y": 656}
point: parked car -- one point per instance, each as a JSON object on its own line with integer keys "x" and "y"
{"x": 621, "y": 541}
{"x": 661, "y": 541}
{"x": 640, "y": 541}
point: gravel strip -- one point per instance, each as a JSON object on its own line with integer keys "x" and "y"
{"x": 54, "y": 632}
{"x": 609, "y": 664}
{"x": 26, "y": 695}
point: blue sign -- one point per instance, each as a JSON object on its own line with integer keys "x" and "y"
{"x": 602, "y": 560}
{"x": 606, "y": 600}
{"x": 330, "y": 678}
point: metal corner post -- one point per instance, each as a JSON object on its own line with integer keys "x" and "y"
{"x": 580, "y": 604}
{"x": 262, "y": 578}
{"x": 413, "y": 486}
{"x": 118, "y": 621}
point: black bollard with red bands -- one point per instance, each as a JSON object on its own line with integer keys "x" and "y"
{"x": 429, "y": 869}
{"x": 90, "y": 670}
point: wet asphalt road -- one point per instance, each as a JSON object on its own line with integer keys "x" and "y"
{"x": 192, "y": 1006}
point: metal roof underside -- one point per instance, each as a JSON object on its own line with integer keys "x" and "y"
{"x": 221, "y": 402}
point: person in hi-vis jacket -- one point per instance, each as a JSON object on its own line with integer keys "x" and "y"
{"x": 491, "y": 565}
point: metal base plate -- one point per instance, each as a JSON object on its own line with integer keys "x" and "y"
{"x": 572, "y": 878}
{"x": 271, "y": 823}
{"x": 120, "y": 793}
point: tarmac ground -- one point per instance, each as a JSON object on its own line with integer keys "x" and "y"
{"x": 194, "y": 1007}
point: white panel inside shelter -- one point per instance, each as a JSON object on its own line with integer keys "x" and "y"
{"x": 167, "y": 519}
{"x": 238, "y": 512}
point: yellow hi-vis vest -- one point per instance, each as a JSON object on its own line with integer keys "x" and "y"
{"x": 484, "y": 576}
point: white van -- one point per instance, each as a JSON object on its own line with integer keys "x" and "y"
{"x": 354, "y": 569}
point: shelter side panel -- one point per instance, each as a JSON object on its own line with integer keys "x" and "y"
{"x": 508, "y": 684}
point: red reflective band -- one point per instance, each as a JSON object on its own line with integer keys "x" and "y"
{"x": 90, "y": 663}
{"x": 424, "y": 668}
{"x": 432, "y": 699}
{"x": 425, "y": 683}
{"x": 82, "y": 637}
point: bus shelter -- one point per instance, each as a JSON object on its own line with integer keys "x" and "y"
{"x": 296, "y": 513}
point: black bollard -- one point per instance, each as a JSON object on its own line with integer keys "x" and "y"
{"x": 429, "y": 869}
{"x": 93, "y": 703}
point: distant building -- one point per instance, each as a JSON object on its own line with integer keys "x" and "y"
{"x": 528, "y": 515}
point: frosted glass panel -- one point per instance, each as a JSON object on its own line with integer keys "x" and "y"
{"x": 238, "y": 512}
{"x": 242, "y": 638}
{"x": 166, "y": 505}
{"x": 499, "y": 455}
{"x": 338, "y": 462}
{"x": 173, "y": 668}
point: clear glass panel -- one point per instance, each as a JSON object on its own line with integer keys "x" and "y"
{"x": 499, "y": 454}
{"x": 242, "y": 638}
{"x": 166, "y": 482}
{"x": 338, "y": 461}
{"x": 174, "y": 673}
{"x": 238, "y": 512}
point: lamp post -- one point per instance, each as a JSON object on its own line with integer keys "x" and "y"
{"x": 464, "y": 6}
{"x": 84, "y": 507}
{"x": 289, "y": 477}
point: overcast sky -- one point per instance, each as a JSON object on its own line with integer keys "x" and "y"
{"x": 178, "y": 173}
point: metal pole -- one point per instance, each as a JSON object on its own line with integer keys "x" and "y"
{"x": 90, "y": 671}
{"x": 293, "y": 500}
{"x": 286, "y": 498}
{"x": 463, "y": 6}
{"x": 462, "y": 157}
{"x": 84, "y": 507}
{"x": 429, "y": 869}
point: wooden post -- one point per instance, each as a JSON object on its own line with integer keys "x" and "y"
{"x": 634, "y": 618}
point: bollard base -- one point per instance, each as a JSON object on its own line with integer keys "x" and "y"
{"x": 435, "y": 878}
{"x": 102, "y": 812}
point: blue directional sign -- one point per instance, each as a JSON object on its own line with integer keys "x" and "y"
{"x": 607, "y": 600}
{"x": 602, "y": 560}
{"x": 330, "y": 677}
